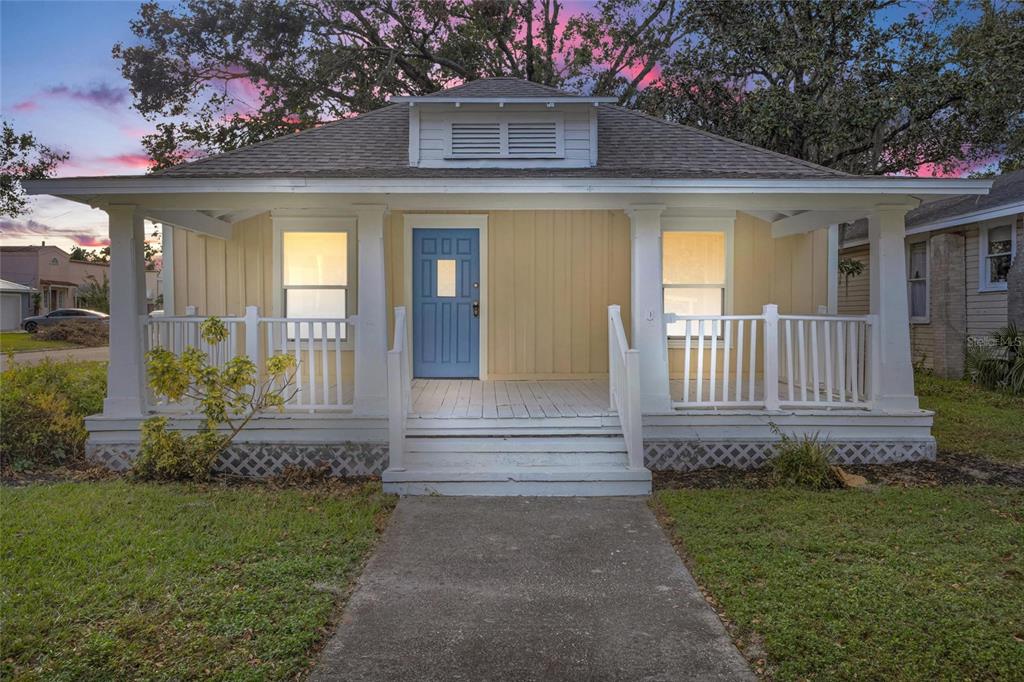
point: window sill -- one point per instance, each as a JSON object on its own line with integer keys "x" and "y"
{"x": 995, "y": 288}
{"x": 920, "y": 320}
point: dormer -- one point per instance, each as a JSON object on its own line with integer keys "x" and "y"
{"x": 465, "y": 128}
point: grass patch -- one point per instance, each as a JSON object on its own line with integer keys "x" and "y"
{"x": 113, "y": 580}
{"x": 973, "y": 420}
{"x": 922, "y": 583}
{"x": 20, "y": 342}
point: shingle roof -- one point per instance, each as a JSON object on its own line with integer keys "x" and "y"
{"x": 1006, "y": 189}
{"x": 503, "y": 87}
{"x": 375, "y": 145}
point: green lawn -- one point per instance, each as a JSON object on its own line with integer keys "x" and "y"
{"x": 971, "y": 420}
{"x": 901, "y": 583}
{"x": 115, "y": 580}
{"x": 18, "y": 342}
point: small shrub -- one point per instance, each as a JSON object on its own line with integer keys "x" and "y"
{"x": 79, "y": 333}
{"x": 42, "y": 409}
{"x": 998, "y": 362}
{"x": 228, "y": 397}
{"x": 171, "y": 456}
{"x": 804, "y": 462}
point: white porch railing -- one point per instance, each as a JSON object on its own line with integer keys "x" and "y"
{"x": 399, "y": 393}
{"x": 318, "y": 346}
{"x": 624, "y": 387}
{"x": 771, "y": 361}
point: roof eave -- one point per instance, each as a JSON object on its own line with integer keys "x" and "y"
{"x": 533, "y": 99}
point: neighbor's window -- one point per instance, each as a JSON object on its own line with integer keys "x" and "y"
{"x": 917, "y": 280}
{"x": 693, "y": 275}
{"x": 996, "y": 254}
{"x": 315, "y": 276}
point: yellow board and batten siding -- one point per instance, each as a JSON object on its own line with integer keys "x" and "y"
{"x": 551, "y": 277}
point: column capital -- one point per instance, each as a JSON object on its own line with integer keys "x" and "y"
{"x": 371, "y": 210}
{"x": 894, "y": 207}
{"x": 640, "y": 210}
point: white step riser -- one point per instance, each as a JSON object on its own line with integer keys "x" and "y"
{"x": 532, "y": 488}
{"x": 506, "y": 460}
{"x": 568, "y": 444}
{"x": 547, "y": 474}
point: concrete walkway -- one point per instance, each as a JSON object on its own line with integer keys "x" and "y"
{"x": 527, "y": 589}
{"x": 34, "y": 357}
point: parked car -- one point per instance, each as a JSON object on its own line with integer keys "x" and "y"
{"x": 31, "y": 324}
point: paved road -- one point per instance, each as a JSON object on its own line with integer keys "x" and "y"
{"x": 36, "y": 356}
{"x": 527, "y": 589}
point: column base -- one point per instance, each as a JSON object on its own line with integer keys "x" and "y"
{"x": 895, "y": 403}
{"x": 122, "y": 407}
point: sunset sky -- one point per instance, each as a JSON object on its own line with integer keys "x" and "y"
{"x": 59, "y": 81}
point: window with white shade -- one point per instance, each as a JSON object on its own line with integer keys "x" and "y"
{"x": 315, "y": 276}
{"x": 917, "y": 281}
{"x": 693, "y": 275}
{"x": 997, "y": 245}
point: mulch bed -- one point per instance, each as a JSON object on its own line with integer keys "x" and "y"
{"x": 946, "y": 470}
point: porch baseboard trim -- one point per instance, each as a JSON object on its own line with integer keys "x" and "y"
{"x": 691, "y": 455}
{"x": 263, "y": 460}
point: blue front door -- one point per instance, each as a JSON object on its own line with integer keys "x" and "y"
{"x": 446, "y": 303}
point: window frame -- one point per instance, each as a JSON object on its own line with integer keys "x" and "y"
{"x": 725, "y": 226}
{"x": 984, "y": 256}
{"x": 282, "y": 224}
{"x": 926, "y": 318}
{"x": 503, "y": 119}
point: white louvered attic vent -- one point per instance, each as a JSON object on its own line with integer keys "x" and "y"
{"x": 477, "y": 139}
{"x": 533, "y": 138}
{"x": 506, "y": 139}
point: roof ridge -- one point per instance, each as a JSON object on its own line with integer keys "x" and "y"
{"x": 672, "y": 124}
{"x": 516, "y": 79}
{"x": 280, "y": 138}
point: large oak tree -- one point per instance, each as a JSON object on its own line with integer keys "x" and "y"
{"x": 861, "y": 85}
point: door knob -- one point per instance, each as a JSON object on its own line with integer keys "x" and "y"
{"x": 476, "y": 308}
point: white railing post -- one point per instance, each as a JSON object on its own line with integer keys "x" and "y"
{"x": 251, "y": 323}
{"x": 613, "y": 348}
{"x": 874, "y": 372}
{"x": 771, "y": 356}
{"x": 634, "y": 435}
{"x": 398, "y": 394}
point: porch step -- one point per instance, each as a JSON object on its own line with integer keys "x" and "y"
{"x": 561, "y": 462}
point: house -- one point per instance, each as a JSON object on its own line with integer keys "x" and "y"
{"x": 57, "y": 276}
{"x": 959, "y": 255}
{"x": 15, "y": 304}
{"x": 503, "y": 288}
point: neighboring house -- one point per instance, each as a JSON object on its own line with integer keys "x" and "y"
{"x": 503, "y": 288}
{"x": 959, "y": 254}
{"x": 15, "y": 304}
{"x": 56, "y": 276}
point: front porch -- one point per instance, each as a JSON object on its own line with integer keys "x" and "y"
{"x": 579, "y": 389}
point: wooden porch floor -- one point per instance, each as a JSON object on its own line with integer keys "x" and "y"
{"x": 471, "y": 398}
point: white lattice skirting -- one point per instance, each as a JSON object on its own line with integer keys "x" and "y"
{"x": 260, "y": 460}
{"x": 679, "y": 455}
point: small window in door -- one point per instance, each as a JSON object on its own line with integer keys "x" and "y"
{"x": 446, "y": 278}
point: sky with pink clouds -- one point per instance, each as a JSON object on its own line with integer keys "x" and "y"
{"x": 59, "y": 81}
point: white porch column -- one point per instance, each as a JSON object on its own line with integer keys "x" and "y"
{"x": 647, "y": 307}
{"x": 893, "y": 378}
{"x": 126, "y": 371}
{"x": 371, "y": 332}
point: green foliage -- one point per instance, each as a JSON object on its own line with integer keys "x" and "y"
{"x": 95, "y": 295}
{"x": 804, "y": 462}
{"x": 22, "y": 157}
{"x": 228, "y": 396}
{"x": 894, "y": 584}
{"x": 128, "y": 581}
{"x": 973, "y": 420}
{"x": 41, "y": 411}
{"x": 170, "y": 456}
{"x": 849, "y": 268}
{"x": 998, "y": 364}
